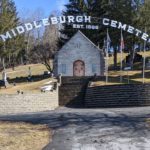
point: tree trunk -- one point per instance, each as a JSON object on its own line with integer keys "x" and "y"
{"x": 132, "y": 54}
{"x": 4, "y": 63}
{"x": 115, "y": 58}
{"x": 9, "y": 59}
{"x": 21, "y": 60}
{"x": 48, "y": 66}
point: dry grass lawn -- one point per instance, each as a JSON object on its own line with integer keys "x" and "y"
{"x": 33, "y": 87}
{"x": 22, "y": 136}
{"x": 135, "y": 76}
{"x": 22, "y": 70}
{"x": 147, "y": 54}
{"x": 38, "y": 69}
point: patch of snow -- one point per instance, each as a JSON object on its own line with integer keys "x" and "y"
{"x": 47, "y": 88}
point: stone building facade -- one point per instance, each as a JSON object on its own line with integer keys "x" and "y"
{"x": 79, "y": 57}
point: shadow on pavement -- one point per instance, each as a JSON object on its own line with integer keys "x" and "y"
{"x": 88, "y": 120}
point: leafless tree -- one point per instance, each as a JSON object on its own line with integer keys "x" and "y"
{"x": 45, "y": 50}
{"x": 33, "y": 37}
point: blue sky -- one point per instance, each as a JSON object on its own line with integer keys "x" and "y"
{"x": 24, "y": 7}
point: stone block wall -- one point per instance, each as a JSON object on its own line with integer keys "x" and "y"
{"x": 28, "y": 103}
{"x": 118, "y": 96}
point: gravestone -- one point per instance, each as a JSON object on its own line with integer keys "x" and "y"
{"x": 4, "y": 78}
{"x": 137, "y": 58}
{"x": 29, "y": 75}
{"x": 148, "y": 64}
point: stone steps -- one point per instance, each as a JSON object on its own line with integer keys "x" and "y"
{"x": 72, "y": 91}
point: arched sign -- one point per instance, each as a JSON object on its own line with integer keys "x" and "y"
{"x": 76, "y": 22}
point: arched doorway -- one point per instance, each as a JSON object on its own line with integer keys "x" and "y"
{"x": 79, "y": 68}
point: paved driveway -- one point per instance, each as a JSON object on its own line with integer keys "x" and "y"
{"x": 94, "y": 129}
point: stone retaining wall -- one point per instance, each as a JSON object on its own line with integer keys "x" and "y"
{"x": 28, "y": 103}
{"x": 118, "y": 95}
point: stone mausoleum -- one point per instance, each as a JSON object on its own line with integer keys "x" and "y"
{"x": 79, "y": 57}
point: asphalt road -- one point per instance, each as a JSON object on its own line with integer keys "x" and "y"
{"x": 94, "y": 129}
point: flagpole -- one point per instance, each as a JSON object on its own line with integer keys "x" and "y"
{"x": 144, "y": 60}
{"x": 121, "y": 58}
{"x": 144, "y": 64}
{"x": 107, "y": 58}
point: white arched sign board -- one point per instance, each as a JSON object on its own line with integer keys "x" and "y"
{"x": 74, "y": 20}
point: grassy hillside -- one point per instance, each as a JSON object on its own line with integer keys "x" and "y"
{"x": 22, "y": 71}
{"x": 135, "y": 75}
{"x": 147, "y": 55}
{"x": 26, "y": 87}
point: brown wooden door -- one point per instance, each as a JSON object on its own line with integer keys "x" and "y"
{"x": 79, "y": 68}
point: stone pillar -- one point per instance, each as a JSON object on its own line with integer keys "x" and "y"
{"x": 60, "y": 79}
